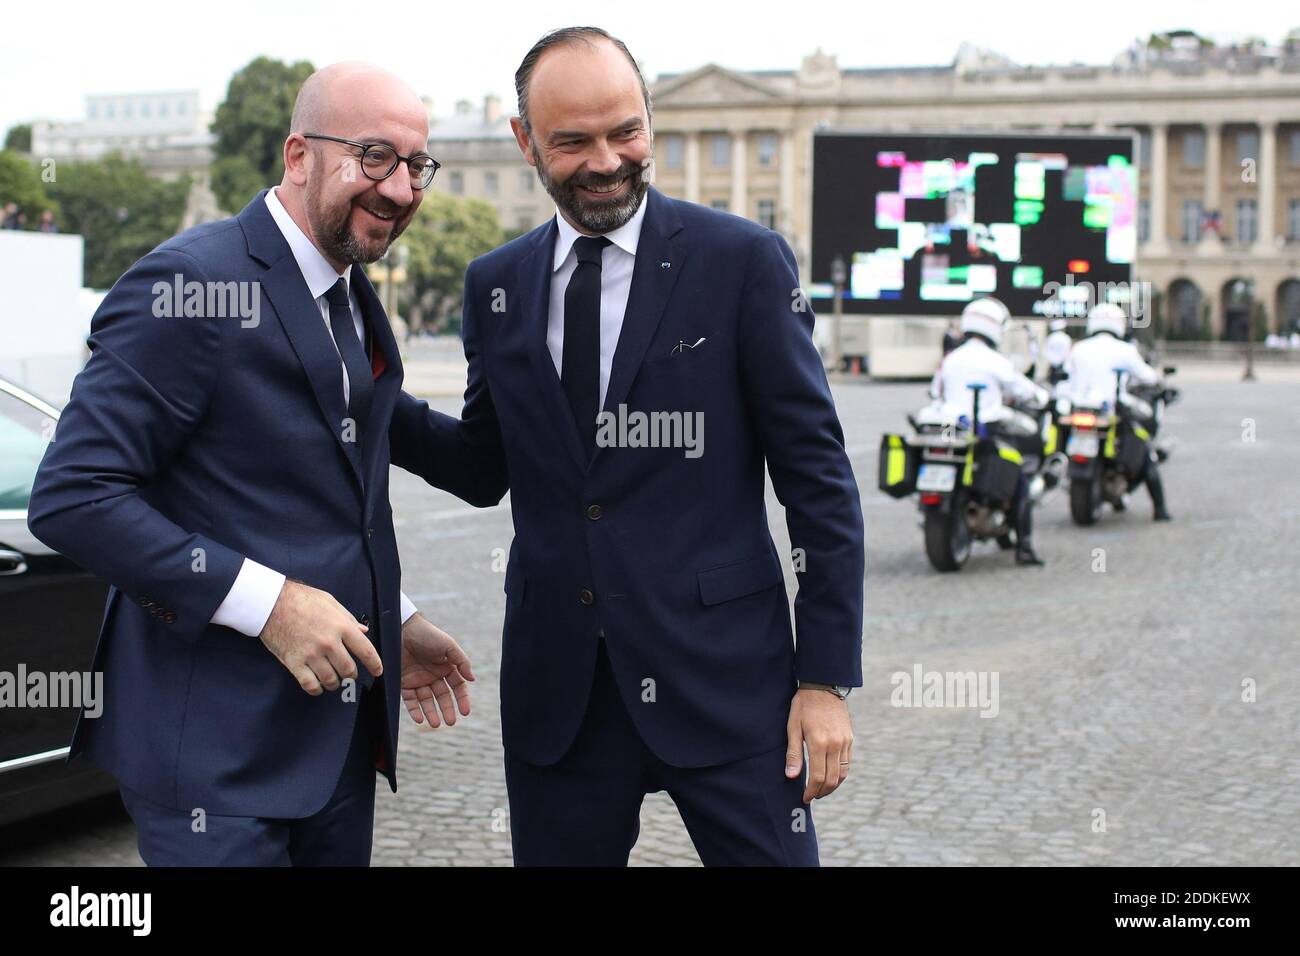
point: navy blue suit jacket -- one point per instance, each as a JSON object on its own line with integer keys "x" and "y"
{"x": 189, "y": 444}
{"x": 676, "y": 568}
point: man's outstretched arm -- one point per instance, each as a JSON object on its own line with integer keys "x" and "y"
{"x": 463, "y": 456}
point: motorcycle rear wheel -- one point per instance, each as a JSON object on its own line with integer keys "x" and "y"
{"x": 947, "y": 539}
{"x": 1085, "y": 500}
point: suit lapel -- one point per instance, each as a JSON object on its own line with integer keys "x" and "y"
{"x": 301, "y": 319}
{"x": 652, "y": 285}
{"x": 534, "y": 291}
{"x": 389, "y": 381}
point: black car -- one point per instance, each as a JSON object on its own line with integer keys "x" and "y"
{"x": 50, "y": 613}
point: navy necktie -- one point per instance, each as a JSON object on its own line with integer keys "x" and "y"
{"x": 580, "y": 364}
{"x": 361, "y": 382}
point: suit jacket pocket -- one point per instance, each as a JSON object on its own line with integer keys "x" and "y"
{"x": 731, "y": 581}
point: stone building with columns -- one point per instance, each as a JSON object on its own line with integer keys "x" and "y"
{"x": 480, "y": 158}
{"x": 1218, "y": 149}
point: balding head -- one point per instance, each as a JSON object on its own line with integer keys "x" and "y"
{"x": 351, "y": 89}
{"x": 349, "y": 216}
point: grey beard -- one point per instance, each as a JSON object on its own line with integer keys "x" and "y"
{"x": 595, "y": 217}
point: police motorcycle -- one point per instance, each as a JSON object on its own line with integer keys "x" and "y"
{"x": 965, "y": 477}
{"x": 1108, "y": 444}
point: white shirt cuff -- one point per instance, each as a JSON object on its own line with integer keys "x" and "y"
{"x": 407, "y": 608}
{"x": 251, "y": 599}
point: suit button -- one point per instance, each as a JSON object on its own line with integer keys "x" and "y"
{"x": 586, "y": 597}
{"x": 370, "y": 534}
{"x": 594, "y": 512}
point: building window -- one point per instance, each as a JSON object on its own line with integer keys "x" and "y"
{"x": 1247, "y": 146}
{"x": 720, "y": 151}
{"x": 767, "y": 143}
{"x": 456, "y": 183}
{"x": 126, "y": 109}
{"x": 674, "y": 151}
{"x": 1191, "y": 220}
{"x": 92, "y": 111}
{"x": 1293, "y": 220}
{"x": 1144, "y": 220}
{"x": 109, "y": 112}
{"x": 767, "y": 213}
{"x": 490, "y": 183}
{"x": 181, "y": 107}
{"x": 162, "y": 108}
{"x": 718, "y": 204}
{"x": 1194, "y": 149}
{"x": 144, "y": 108}
{"x": 1247, "y": 221}
{"x": 526, "y": 180}
{"x": 1295, "y": 147}
{"x": 1144, "y": 149}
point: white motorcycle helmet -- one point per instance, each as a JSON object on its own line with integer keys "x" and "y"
{"x": 987, "y": 317}
{"x": 1107, "y": 317}
{"x": 1057, "y": 325}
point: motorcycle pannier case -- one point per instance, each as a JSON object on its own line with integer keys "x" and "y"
{"x": 996, "y": 471}
{"x": 1130, "y": 451}
{"x": 899, "y": 463}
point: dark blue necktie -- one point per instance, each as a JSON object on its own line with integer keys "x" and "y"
{"x": 361, "y": 383}
{"x": 580, "y": 364}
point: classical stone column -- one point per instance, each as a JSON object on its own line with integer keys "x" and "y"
{"x": 739, "y": 168}
{"x": 1266, "y": 187}
{"x": 1157, "y": 243}
{"x": 691, "y": 164}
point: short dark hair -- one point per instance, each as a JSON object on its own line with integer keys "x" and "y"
{"x": 568, "y": 35}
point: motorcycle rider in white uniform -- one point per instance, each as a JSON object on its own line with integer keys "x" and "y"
{"x": 1056, "y": 350}
{"x": 977, "y": 361}
{"x": 1093, "y": 377}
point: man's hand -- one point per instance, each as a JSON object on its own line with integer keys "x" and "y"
{"x": 434, "y": 673}
{"x": 310, "y": 633}
{"x": 820, "y": 719}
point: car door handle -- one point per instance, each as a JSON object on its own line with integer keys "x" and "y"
{"x": 12, "y": 562}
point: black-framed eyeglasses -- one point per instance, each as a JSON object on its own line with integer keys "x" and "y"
{"x": 378, "y": 160}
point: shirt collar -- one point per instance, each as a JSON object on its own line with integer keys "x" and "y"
{"x": 315, "y": 268}
{"x": 626, "y": 236}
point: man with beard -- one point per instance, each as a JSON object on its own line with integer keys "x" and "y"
{"x": 228, "y": 475}
{"x": 647, "y": 640}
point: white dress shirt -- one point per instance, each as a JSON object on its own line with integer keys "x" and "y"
{"x": 252, "y": 597}
{"x": 616, "y": 263}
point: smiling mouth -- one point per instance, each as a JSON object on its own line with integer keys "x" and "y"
{"x": 605, "y": 190}
{"x": 381, "y": 216}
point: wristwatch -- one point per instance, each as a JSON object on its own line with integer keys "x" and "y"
{"x": 836, "y": 689}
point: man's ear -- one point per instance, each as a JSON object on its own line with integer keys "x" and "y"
{"x": 295, "y": 159}
{"x": 521, "y": 138}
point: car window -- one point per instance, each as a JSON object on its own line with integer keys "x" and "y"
{"x": 23, "y": 431}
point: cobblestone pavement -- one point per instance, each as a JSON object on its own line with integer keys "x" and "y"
{"x": 1121, "y": 735}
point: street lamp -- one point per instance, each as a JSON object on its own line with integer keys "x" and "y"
{"x": 839, "y": 275}
{"x": 396, "y": 256}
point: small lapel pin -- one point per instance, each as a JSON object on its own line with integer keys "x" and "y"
{"x": 665, "y": 264}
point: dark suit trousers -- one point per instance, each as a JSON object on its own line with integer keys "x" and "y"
{"x": 585, "y": 809}
{"x": 337, "y": 835}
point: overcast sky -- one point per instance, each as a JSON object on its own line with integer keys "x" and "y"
{"x": 55, "y": 54}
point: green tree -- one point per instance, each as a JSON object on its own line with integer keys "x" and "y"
{"x": 445, "y": 235}
{"x": 250, "y": 126}
{"x": 20, "y": 182}
{"x": 119, "y": 209}
{"x": 19, "y": 138}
